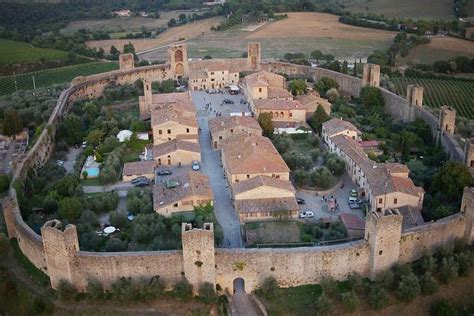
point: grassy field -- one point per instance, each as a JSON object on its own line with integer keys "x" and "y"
{"x": 439, "y": 92}
{"x": 12, "y": 52}
{"x": 52, "y": 76}
{"x": 440, "y": 48}
{"x": 300, "y": 32}
{"x": 174, "y": 34}
{"x": 125, "y": 25}
{"x": 414, "y": 9}
{"x": 274, "y": 232}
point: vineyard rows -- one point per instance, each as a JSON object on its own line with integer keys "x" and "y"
{"x": 52, "y": 76}
{"x": 439, "y": 92}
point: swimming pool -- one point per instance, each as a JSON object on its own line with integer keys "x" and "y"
{"x": 92, "y": 172}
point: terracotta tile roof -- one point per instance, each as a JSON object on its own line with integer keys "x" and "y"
{"x": 161, "y": 116}
{"x": 139, "y": 167}
{"x": 252, "y": 154}
{"x": 222, "y": 123}
{"x": 278, "y": 93}
{"x": 198, "y": 69}
{"x": 352, "y": 222}
{"x": 311, "y": 100}
{"x": 275, "y": 104}
{"x": 352, "y": 149}
{"x": 178, "y": 100}
{"x": 266, "y": 205}
{"x": 175, "y": 145}
{"x": 394, "y": 168}
{"x": 334, "y": 126}
{"x": 191, "y": 184}
{"x": 259, "y": 181}
{"x": 262, "y": 79}
{"x": 411, "y": 216}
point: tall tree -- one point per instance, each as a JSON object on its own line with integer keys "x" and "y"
{"x": 12, "y": 123}
{"x": 265, "y": 121}
{"x": 319, "y": 117}
{"x": 298, "y": 87}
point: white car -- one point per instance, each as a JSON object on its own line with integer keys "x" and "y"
{"x": 306, "y": 214}
{"x": 196, "y": 165}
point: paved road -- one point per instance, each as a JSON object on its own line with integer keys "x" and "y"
{"x": 241, "y": 302}
{"x": 211, "y": 166}
{"x": 121, "y": 188}
{"x": 71, "y": 159}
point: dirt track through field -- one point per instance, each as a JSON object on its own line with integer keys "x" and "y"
{"x": 322, "y": 25}
{"x": 172, "y": 35}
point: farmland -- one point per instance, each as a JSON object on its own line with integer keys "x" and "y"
{"x": 300, "y": 32}
{"x": 440, "y": 48}
{"x": 439, "y": 92}
{"x": 419, "y": 9}
{"x": 12, "y": 52}
{"x": 52, "y": 76}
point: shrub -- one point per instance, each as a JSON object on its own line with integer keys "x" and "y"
{"x": 151, "y": 289}
{"x": 66, "y": 291}
{"x": 448, "y": 269}
{"x": 115, "y": 244}
{"x": 378, "y": 297}
{"x": 4, "y": 183}
{"x": 324, "y": 305}
{"x": 329, "y": 285}
{"x": 350, "y": 301}
{"x": 207, "y": 293}
{"x": 408, "y": 287}
{"x": 464, "y": 260}
{"x": 444, "y": 308}
{"x": 428, "y": 264}
{"x": 356, "y": 282}
{"x": 385, "y": 279}
{"x": 183, "y": 289}
{"x": 118, "y": 219}
{"x": 269, "y": 287}
{"x": 95, "y": 289}
{"x": 428, "y": 284}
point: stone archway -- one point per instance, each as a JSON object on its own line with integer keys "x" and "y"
{"x": 178, "y": 56}
{"x": 239, "y": 285}
{"x": 179, "y": 69}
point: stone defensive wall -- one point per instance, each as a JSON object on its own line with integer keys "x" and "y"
{"x": 56, "y": 252}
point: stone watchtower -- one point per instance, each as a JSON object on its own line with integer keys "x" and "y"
{"x": 371, "y": 75}
{"x": 467, "y": 207}
{"x": 383, "y": 232}
{"x": 254, "y": 56}
{"x": 198, "y": 254}
{"x": 60, "y": 248}
{"x": 415, "y": 95}
{"x": 447, "y": 120}
{"x": 126, "y": 61}
{"x": 178, "y": 59}
{"x": 469, "y": 153}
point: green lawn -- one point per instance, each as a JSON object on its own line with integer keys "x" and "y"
{"x": 12, "y": 52}
{"x": 273, "y": 232}
{"x": 52, "y": 76}
{"x": 298, "y": 300}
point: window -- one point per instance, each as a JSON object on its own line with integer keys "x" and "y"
{"x": 169, "y": 131}
{"x": 380, "y": 201}
{"x": 395, "y": 201}
{"x": 291, "y": 114}
{"x": 248, "y": 176}
{"x": 160, "y": 132}
{"x": 231, "y": 130}
{"x": 187, "y": 130}
{"x": 222, "y": 72}
{"x": 277, "y": 176}
{"x": 212, "y": 73}
{"x": 175, "y": 205}
{"x": 212, "y": 79}
{"x": 220, "y": 137}
{"x": 379, "y": 209}
{"x": 259, "y": 89}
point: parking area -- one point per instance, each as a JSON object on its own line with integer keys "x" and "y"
{"x": 331, "y": 205}
{"x": 176, "y": 172}
{"x": 212, "y": 105}
{"x": 10, "y": 150}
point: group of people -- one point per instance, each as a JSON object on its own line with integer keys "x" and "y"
{"x": 332, "y": 203}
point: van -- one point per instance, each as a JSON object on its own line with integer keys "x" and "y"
{"x": 353, "y": 199}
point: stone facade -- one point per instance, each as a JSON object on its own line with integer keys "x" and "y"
{"x": 126, "y": 61}
{"x": 178, "y": 59}
{"x": 469, "y": 153}
{"x": 371, "y": 75}
{"x": 254, "y": 56}
{"x": 415, "y": 95}
{"x": 447, "y": 120}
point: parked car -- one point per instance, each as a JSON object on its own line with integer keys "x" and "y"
{"x": 196, "y": 165}
{"x": 164, "y": 172}
{"x": 60, "y": 163}
{"x": 138, "y": 179}
{"x": 354, "y": 193}
{"x": 141, "y": 183}
{"x": 227, "y": 101}
{"x": 84, "y": 144}
{"x": 355, "y": 206}
{"x": 300, "y": 201}
{"x": 307, "y": 214}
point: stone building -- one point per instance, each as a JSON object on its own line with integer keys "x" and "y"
{"x": 126, "y": 61}
{"x": 261, "y": 197}
{"x": 214, "y": 74}
{"x": 170, "y": 123}
{"x": 265, "y": 85}
{"x": 415, "y": 95}
{"x": 469, "y": 153}
{"x": 176, "y": 152}
{"x": 384, "y": 186}
{"x": 132, "y": 170}
{"x": 248, "y": 156}
{"x": 447, "y": 120}
{"x": 224, "y": 127}
{"x": 178, "y": 60}
{"x": 310, "y": 102}
{"x": 284, "y": 113}
{"x": 182, "y": 194}
{"x": 371, "y": 75}
{"x": 149, "y": 101}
